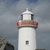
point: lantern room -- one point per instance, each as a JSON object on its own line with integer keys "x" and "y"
{"x": 27, "y": 15}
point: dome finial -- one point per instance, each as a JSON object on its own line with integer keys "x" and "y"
{"x": 26, "y": 8}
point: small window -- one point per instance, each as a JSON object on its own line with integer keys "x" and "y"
{"x": 21, "y": 17}
{"x": 32, "y": 16}
{"x": 27, "y": 42}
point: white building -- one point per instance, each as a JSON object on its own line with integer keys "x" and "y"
{"x": 27, "y": 31}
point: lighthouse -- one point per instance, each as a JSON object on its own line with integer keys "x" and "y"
{"x": 27, "y": 31}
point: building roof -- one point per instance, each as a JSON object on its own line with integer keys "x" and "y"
{"x": 5, "y": 41}
{"x": 27, "y": 12}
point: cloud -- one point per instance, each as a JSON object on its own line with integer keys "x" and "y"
{"x": 43, "y": 41}
{"x": 10, "y": 14}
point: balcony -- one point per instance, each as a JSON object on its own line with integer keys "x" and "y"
{"x": 28, "y": 23}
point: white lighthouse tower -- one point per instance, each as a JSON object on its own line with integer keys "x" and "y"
{"x": 27, "y": 31}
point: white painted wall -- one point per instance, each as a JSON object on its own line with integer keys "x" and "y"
{"x": 27, "y": 33}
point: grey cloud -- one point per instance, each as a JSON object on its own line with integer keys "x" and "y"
{"x": 10, "y": 15}
{"x": 43, "y": 39}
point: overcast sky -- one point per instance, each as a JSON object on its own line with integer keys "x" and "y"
{"x": 10, "y": 11}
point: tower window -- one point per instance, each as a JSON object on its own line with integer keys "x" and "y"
{"x": 21, "y": 17}
{"x": 32, "y": 16}
{"x": 27, "y": 42}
